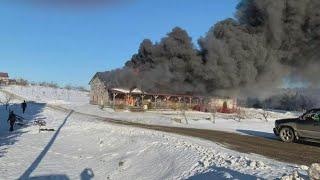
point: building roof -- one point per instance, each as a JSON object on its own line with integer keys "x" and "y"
{"x": 101, "y": 76}
{"x": 140, "y": 92}
{"x": 4, "y": 75}
{"x": 128, "y": 91}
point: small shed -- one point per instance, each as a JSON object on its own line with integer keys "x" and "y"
{"x": 99, "y": 91}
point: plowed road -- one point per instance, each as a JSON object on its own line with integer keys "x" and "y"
{"x": 303, "y": 154}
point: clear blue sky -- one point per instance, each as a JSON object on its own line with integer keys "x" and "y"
{"x": 68, "y": 46}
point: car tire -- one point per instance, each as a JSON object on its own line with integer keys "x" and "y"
{"x": 287, "y": 135}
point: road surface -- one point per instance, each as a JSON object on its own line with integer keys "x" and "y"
{"x": 296, "y": 153}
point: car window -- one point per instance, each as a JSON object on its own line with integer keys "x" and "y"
{"x": 312, "y": 115}
{"x": 306, "y": 115}
{"x": 316, "y": 116}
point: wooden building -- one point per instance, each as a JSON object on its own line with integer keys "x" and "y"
{"x": 147, "y": 100}
{"x": 103, "y": 95}
{"x": 99, "y": 90}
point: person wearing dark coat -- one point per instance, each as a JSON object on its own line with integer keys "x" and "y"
{"x": 12, "y": 120}
{"x": 24, "y": 106}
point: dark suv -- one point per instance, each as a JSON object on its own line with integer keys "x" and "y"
{"x": 305, "y": 127}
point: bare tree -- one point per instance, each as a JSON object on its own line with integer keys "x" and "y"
{"x": 7, "y": 99}
{"x": 213, "y": 114}
{"x": 22, "y": 82}
{"x": 265, "y": 115}
{"x": 68, "y": 87}
{"x": 240, "y": 115}
{"x": 183, "y": 107}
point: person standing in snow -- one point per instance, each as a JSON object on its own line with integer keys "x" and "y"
{"x": 24, "y": 106}
{"x": 12, "y": 120}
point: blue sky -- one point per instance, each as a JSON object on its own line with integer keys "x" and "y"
{"x": 68, "y": 45}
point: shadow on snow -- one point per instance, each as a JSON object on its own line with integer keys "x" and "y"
{"x": 86, "y": 174}
{"x": 219, "y": 173}
{"x": 10, "y": 138}
{"x": 37, "y": 161}
{"x": 271, "y": 136}
{"x": 258, "y": 134}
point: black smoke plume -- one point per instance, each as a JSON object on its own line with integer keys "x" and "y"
{"x": 268, "y": 41}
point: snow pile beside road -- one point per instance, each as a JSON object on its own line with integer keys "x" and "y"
{"x": 293, "y": 176}
{"x": 314, "y": 171}
{"x": 272, "y": 115}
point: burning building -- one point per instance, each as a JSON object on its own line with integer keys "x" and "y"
{"x": 104, "y": 95}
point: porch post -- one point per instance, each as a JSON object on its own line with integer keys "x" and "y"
{"x": 167, "y": 99}
{"x": 127, "y": 99}
{"x": 114, "y": 100}
{"x": 201, "y": 100}
{"x": 155, "y": 100}
{"x": 179, "y": 98}
{"x": 142, "y": 98}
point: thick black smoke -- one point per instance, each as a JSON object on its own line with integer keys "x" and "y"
{"x": 267, "y": 42}
{"x": 168, "y": 66}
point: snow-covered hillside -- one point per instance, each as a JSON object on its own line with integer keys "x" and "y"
{"x": 83, "y": 147}
{"x": 50, "y": 95}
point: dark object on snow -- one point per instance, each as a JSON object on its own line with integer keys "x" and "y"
{"x": 305, "y": 127}
{"x": 24, "y": 106}
{"x": 52, "y": 176}
{"x": 19, "y": 123}
{"x": 87, "y": 174}
{"x": 19, "y": 120}
{"x": 47, "y": 129}
{"x": 40, "y": 123}
{"x": 12, "y": 120}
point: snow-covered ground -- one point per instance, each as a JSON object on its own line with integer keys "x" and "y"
{"x": 50, "y": 95}
{"x": 253, "y": 124}
{"x": 82, "y": 147}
